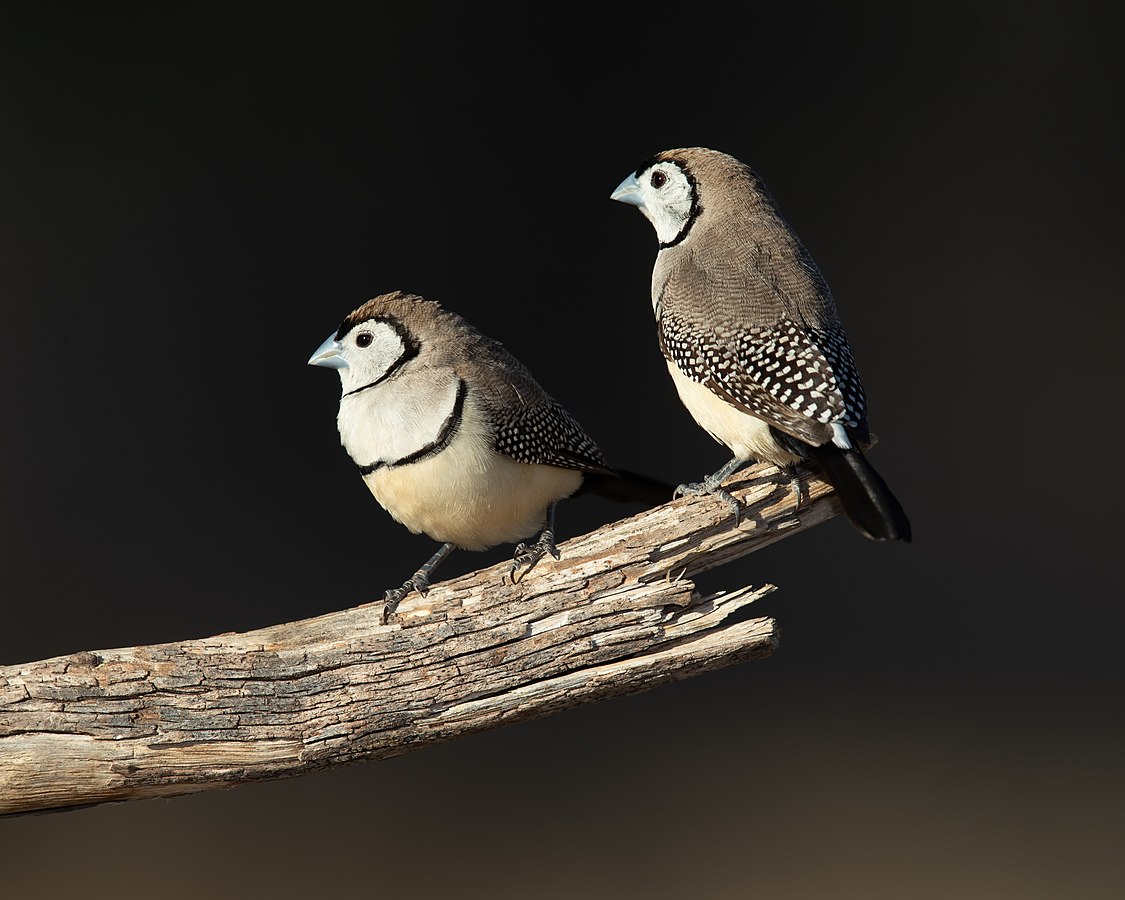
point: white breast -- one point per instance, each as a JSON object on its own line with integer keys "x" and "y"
{"x": 393, "y": 420}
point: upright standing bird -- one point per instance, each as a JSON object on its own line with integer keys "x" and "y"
{"x": 455, "y": 438}
{"x": 750, "y": 332}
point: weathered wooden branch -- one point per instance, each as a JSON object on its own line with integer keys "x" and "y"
{"x": 617, "y": 614}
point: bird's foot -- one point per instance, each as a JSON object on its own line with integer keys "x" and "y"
{"x": 789, "y": 474}
{"x": 529, "y": 556}
{"x": 710, "y": 486}
{"x": 393, "y": 597}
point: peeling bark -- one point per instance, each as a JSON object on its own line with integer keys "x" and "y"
{"x": 617, "y": 614}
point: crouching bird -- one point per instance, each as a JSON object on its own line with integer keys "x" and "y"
{"x": 455, "y": 438}
{"x": 750, "y": 332}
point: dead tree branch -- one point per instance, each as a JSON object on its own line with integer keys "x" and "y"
{"x": 618, "y": 614}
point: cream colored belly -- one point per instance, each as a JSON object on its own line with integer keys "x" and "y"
{"x": 474, "y": 500}
{"x": 747, "y": 436}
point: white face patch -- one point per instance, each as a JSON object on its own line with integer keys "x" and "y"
{"x": 668, "y": 198}
{"x": 372, "y": 350}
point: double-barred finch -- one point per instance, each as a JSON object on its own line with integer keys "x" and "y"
{"x": 455, "y": 438}
{"x": 750, "y": 333}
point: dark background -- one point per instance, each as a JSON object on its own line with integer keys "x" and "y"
{"x": 189, "y": 204}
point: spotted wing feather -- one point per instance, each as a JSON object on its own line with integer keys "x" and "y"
{"x": 530, "y": 425}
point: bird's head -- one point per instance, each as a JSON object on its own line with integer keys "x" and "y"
{"x": 665, "y": 190}
{"x": 369, "y": 347}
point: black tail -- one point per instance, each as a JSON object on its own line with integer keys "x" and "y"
{"x": 866, "y": 499}
{"x": 627, "y": 486}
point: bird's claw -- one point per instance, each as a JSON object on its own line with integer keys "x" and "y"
{"x": 529, "y": 556}
{"x": 394, "y": 596}
{"x": 707, "y": 486}
{"x": 794, "y": 482}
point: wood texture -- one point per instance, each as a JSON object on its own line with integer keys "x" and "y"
{"x": 617, "y": 614}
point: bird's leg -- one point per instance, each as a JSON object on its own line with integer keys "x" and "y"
{"x": 712, "y": 484}
{"x": 419, "y": 581}
{"x": 529, "y": 556}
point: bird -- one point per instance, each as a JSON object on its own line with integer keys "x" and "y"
{"x": 751, "y": 336}
{"x": 455, "y": 438}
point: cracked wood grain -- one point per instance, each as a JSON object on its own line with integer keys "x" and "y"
{"x": 617, "y": 614}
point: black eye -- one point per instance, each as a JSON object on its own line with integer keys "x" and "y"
{"x": 659, "y": 179}
{"x": 363, "y": 339}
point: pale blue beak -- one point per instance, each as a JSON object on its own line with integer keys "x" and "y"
{"x": 629, "y": 191}
{"x": 329, "y": 354}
